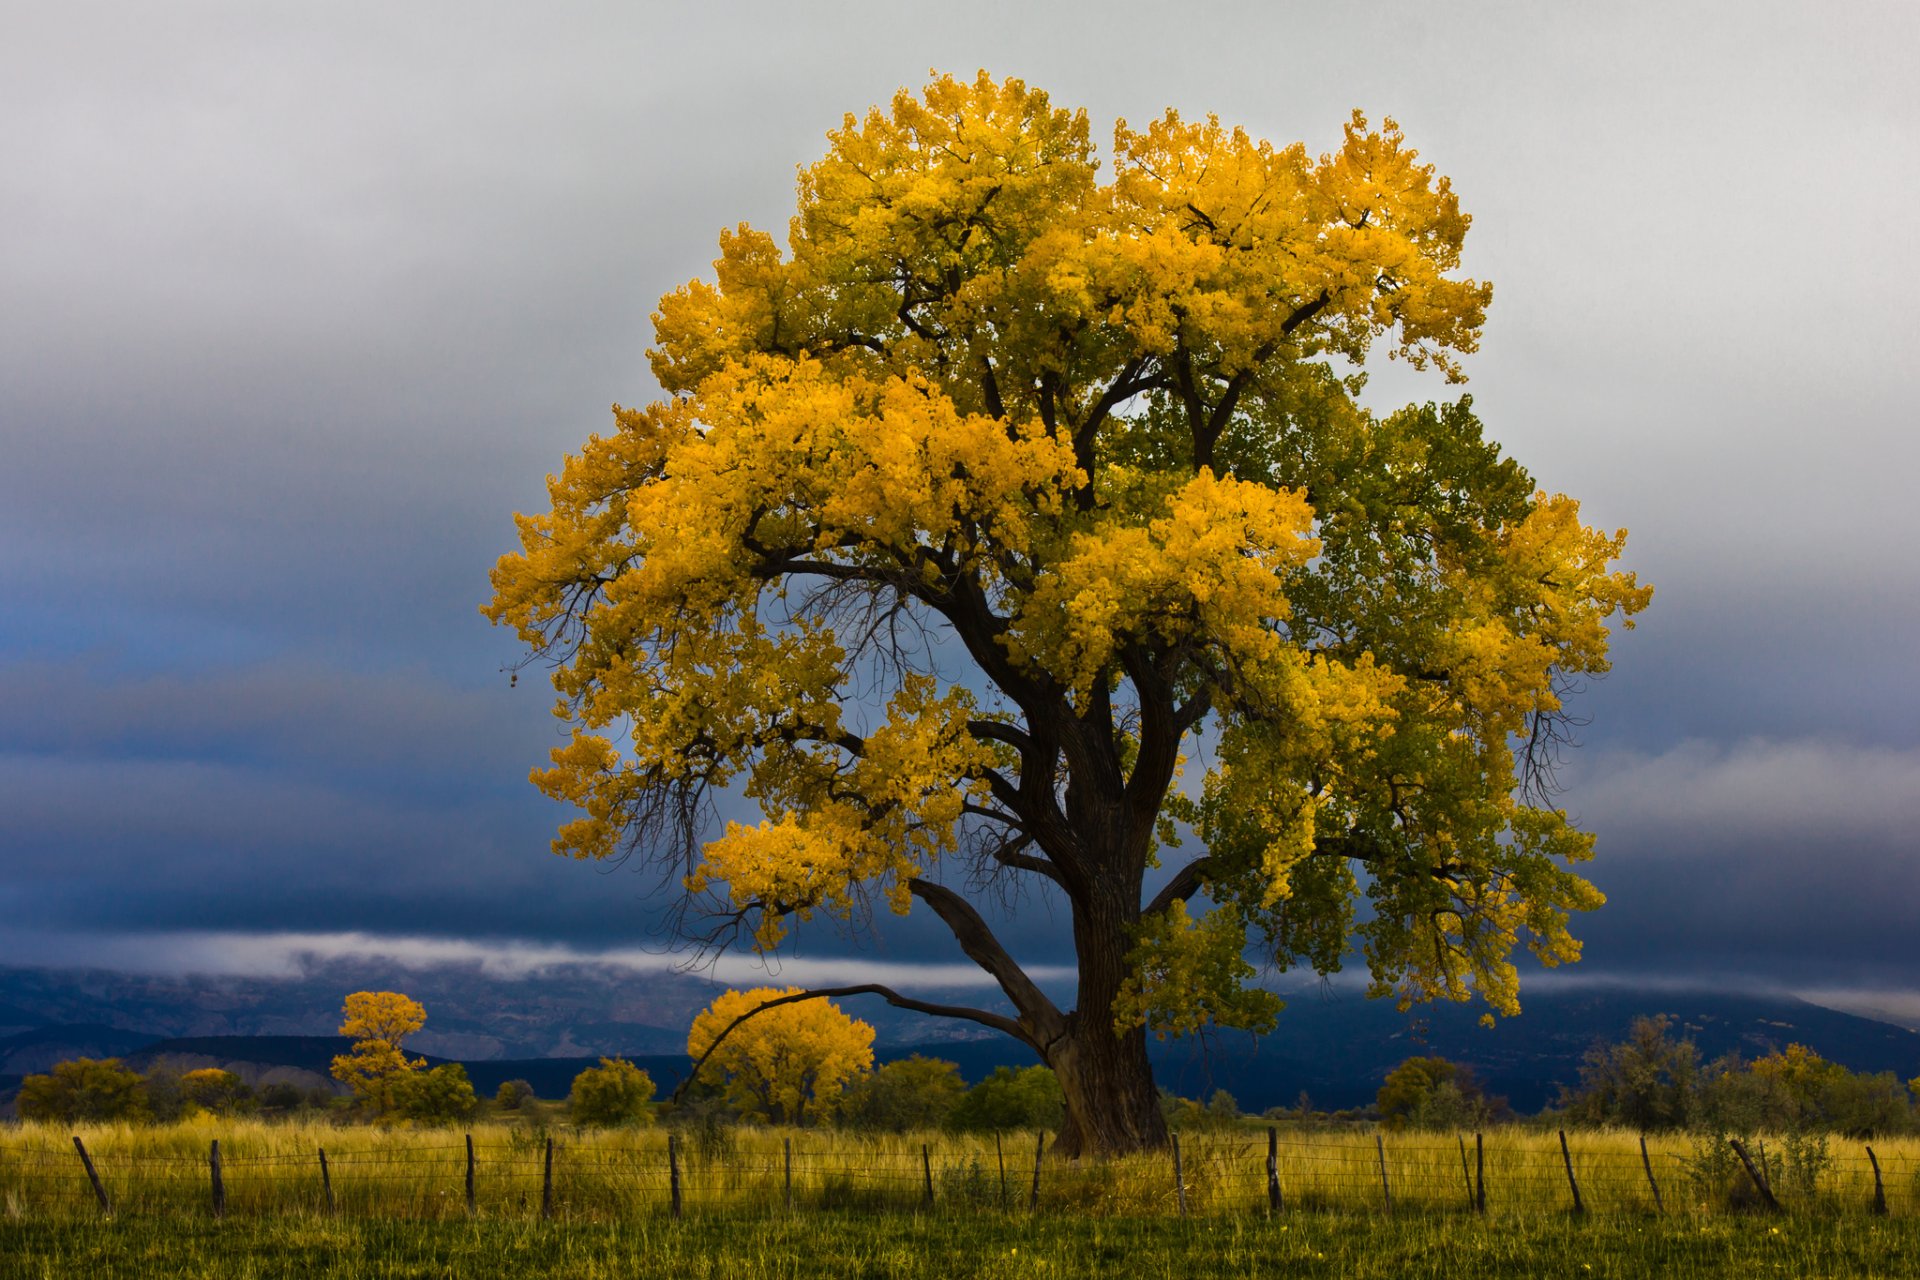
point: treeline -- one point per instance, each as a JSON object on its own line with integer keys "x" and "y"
{"x": 1654, "y": 1080}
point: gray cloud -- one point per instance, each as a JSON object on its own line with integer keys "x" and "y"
{"x": 301, "y": 305}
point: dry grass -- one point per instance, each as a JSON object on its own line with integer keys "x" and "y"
{"x": 273, "y": 1168}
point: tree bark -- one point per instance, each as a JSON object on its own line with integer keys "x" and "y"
{"x": 1113, "y": 1107}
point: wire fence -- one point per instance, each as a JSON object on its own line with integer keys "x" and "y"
{"x": 613, "y": 1175}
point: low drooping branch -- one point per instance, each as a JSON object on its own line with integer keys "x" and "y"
{"x": 1041, "y": 1021}
{"x": 892, "y": 997}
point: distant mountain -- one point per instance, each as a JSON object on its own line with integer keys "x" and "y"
{"x": 26, "y": 1052}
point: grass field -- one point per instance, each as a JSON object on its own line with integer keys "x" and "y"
{"x": 859, "y": 1206}
{"x": 274, "y": 1168}
{"x": 765, "y": 1246}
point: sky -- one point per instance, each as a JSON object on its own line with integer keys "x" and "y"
{"x": 301, "y": 303}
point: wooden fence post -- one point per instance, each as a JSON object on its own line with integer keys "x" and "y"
{"x": 1647, "y": 1163}
{"x": 1273, "y": 1170}
{"x": 926, "y": 1167}
{"x": 673, "y": 1171}
{"x": 469, "y": 1175}
{"x": 786, "y": 1151}
{"x": 1479, "y": 1174}
{"x": 1567, "y": 1157}
{"x": 1039, "y": 1150}
{"x": 1386, "y": 1194}
{"x": 1759, "y": 1183}
{"x": 546, "y": 1183}
{"x": 1179, "y": 1178}
{"x": 326, "y": 1182}
{"x": 1466, "y": 1174}
{"x": 1879, "y": 1189}
{"x": 1000, "y": 1158}
{"x": 86, "y": 1162}
{"x": 219, "y": 1187}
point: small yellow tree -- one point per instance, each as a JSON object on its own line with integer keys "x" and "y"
{"x": 378, "y": 1021}
{"x": 782, "y": 1062}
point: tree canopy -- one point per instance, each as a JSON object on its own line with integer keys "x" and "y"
{"x": 379, "y": 1023}
{"x": 1016, "y": 523}
{"x": 785, "y": 1065}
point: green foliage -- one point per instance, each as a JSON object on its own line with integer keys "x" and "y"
{"x": 512, "y": 1095}
{"x": 614, "y": 1093}
{"x": 1026, "y": 1099}
{"x": 221, "y": 1092}
{"x": 913, "y": 1093}
{"x": 1434, "y": 1093}
{"x": 440, "y": 1096}
{"x": 1221, "y": 1111}
{"x": 1647, "y": 1082}
{"x": 84, "y": 1089}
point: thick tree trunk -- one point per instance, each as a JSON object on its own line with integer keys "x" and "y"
{"x": 1112, "y": 1105}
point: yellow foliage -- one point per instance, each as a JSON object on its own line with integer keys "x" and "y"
{"x": 378, "y": 1021}
{"x": 1094, "y": 431}
{"x": 787, "y": 1064}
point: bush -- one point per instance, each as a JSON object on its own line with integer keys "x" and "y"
{"x": 913, "y": 1093}
{"x": 85, "y": 1089}
{"x": 512, "y": 1095}
{"x": 1009, "y": 1099}
{"x": 440, "y": 1096}
{"x": 221, "y": 1092}
{"x": 1433, "y": 1093}
{"x": 614, "y": 1093}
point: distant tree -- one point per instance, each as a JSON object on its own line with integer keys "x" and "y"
{"x": 1797, "y": 1090}
{"x": 378, "y": 1022}
{"x": 1030, "y": 1098}
{"x": 221, "y": 1092}
{"x": 612, "y": 1094}
{"x": 1432, "y": 1093}
{"x": 281, "y": 1098}
{"x": 512, "y": 1095}
{"x": 898, "y": 1097}
{"x": 785, "y": 1064}
{"x": 440, "y": 1096}
{"x": 1650, "y": 1081}
{"x": 84, "y": 1089}
{"x": 1221, "y": 1111}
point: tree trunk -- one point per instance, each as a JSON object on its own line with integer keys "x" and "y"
{"x": 1112, "y": 1106}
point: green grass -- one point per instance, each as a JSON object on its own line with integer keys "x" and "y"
{"x": 762, "y": 1246}
{"x": 273, "y": 1169}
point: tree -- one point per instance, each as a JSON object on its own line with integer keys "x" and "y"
{"x": 215, "y": 1090}
{"x": 84, "y": 1089}
{"x": 515, "y": 1094}
{"x": 439, "y": 1096}
{"x": 378, "y": 1022}
{"x": 967, "y": 518}
{"x": 783, "y": 1062}
{"x": 902, "y": 1096}
{"x": 1649, "y": 1081}
{"x": 1433, "y": 1093}
{"x": 1029, "y": 1098}
{"x": 612, "y": 1094}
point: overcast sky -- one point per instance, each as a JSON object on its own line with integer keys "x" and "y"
{"x": 298, "y": 304}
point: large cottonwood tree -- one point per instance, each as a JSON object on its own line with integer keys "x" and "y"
{"x": 1001, "y": 491}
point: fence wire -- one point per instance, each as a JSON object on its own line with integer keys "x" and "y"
{"x": 626, "y": 1174}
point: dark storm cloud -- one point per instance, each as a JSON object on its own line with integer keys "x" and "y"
{"x": 301, "y": 305}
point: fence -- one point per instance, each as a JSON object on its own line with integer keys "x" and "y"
{"x": 527, "y": 1173}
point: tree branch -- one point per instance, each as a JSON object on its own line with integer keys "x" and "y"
{"x": 1040, "y": 1018}
{"x": 1185, "y": 883}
